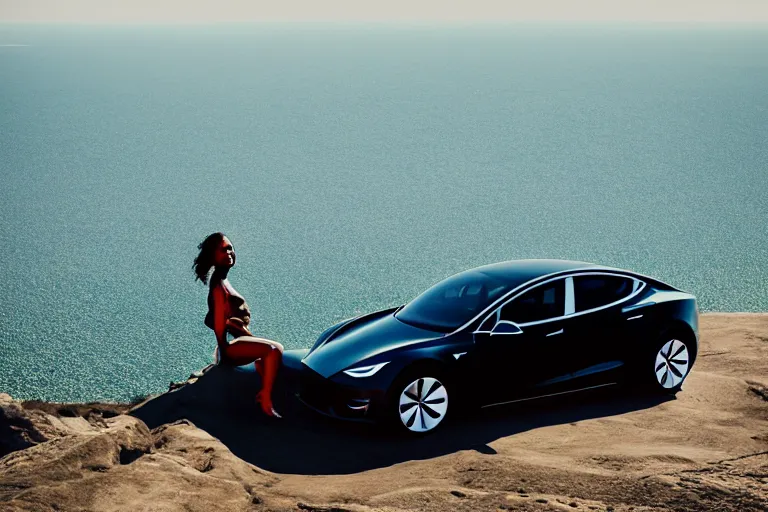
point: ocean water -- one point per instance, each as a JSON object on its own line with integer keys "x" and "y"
{"x": 353, "y": 167}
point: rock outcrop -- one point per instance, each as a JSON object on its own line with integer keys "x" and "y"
{"x": 203, "y": 446}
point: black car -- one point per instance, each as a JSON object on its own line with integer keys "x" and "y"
{"x": 502, "y": 333}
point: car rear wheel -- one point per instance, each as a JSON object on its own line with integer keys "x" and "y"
{"x": 418, "y": 401}
{"x": 671, "y": 364}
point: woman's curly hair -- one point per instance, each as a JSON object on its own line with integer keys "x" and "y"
{"x": 204, "y": 260}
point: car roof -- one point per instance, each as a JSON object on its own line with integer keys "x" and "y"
{"x": 517, "y": 272}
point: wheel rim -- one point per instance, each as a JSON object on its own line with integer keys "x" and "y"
{"x": 672, "y": 363}
{"x": 423, "y": 404}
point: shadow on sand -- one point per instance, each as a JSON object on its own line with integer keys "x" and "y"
{"x": 303, "y": 442}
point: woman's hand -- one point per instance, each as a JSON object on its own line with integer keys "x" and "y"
{"x": 236, "y": 325}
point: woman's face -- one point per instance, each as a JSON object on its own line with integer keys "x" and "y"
{"x": 225, "y": 254}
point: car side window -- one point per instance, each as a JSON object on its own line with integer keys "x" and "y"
{"x": 540, "y": 303}
{"x": 594, "y": 291}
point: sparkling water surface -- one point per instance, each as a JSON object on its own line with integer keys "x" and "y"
{"x": 353, "y": 167}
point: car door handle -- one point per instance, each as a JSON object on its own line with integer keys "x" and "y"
{"x": 555, "y": 333}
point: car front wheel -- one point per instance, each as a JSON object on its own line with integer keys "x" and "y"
{"x": 419, "y": 402}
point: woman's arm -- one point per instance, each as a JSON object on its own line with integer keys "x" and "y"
{"x": 220, "y": 318}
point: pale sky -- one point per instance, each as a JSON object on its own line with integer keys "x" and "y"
{"x": 196, "y": 11}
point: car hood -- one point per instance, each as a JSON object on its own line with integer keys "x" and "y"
{"x": 362, "y": 338}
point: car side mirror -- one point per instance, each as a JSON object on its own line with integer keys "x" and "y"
{"x": 506, "y": 327}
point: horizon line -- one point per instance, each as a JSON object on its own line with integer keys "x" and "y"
{"x": 390, "y": 22}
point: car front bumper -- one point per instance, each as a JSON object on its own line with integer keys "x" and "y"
{"x": 337, "y": 400}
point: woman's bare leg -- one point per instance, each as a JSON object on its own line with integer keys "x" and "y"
{"x": 246, "y": 349}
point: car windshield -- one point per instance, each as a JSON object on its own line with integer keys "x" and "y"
{"x": 454, "y": 301}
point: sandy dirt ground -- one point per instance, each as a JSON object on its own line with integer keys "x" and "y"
{"x": 204, "y": 447}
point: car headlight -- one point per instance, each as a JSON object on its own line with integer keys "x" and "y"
{"x": 365, "y": 371}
